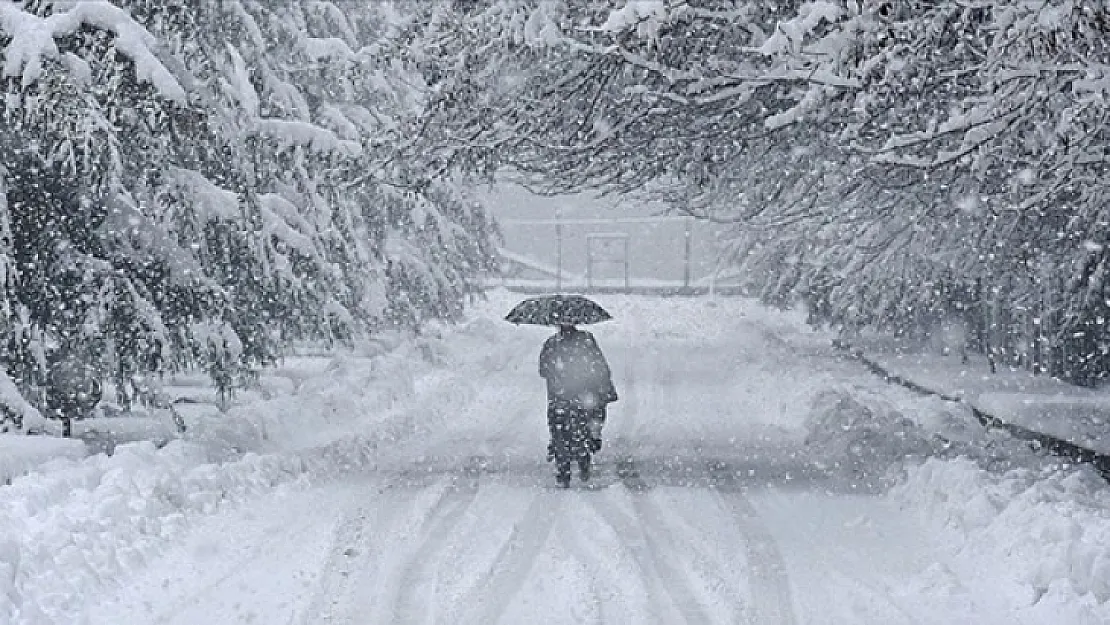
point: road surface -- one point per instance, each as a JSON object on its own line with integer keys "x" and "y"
{"x": 706, "y": 506}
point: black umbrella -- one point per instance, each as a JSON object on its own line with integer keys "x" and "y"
{"x": 553, "y": 310}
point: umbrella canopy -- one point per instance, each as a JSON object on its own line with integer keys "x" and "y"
{"x": 553, "y": 310}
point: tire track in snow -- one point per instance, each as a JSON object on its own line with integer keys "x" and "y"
{"x": 598, "y": 576}
{"x": 636, "y": 544}
{"x": 350, "y": 552}
{"x": 772, "y": 601}
{"x": 770, "y": 586}
{"x": 653, "y": 524}
{"x": 334, "y": 583}
{"x": 676, "y": 581}
{"x": 515, "y": 559}
{"x": 438, "y": 530}
{"x": 661, "y": 579}
{"x": 237, "y": 565}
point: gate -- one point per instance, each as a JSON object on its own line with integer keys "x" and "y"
{"x": 618, "y": 253}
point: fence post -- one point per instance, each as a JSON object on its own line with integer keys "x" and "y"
{"x": 589, "y": 264}
{"x": 558, "y": 256}
{"x": 686, "y": 258}
{"x": 627, "y": 262}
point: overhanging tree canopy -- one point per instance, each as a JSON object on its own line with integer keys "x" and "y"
{"x": 898, "y": 154}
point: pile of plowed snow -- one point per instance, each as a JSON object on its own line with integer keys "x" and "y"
{"x": 1047, "y": 530}
{"x": 991, "y": 497}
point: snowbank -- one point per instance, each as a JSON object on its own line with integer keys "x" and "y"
{"x": 1049, "y": 530}
{"x": 1079, "y": 416}
{"x": 1042, "y": 404}
{"x": 74, "y": 525}
{"x": 992, "y": 498}
{"x": 78, "y": 523}
{"x": 869, "y": 435}
{"x": 1045, "y": 525}
{"x": 21, "y": 454}
{"x": 861, "y": 435}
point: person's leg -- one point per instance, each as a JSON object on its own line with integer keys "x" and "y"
{"x": 596, "y": 422}
{"x": 552, "y": 421}
{"x": 558, "y": 422}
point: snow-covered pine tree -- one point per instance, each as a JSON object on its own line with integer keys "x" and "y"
{"x": 197, "y": 184}
{"x": 75, "y": 82}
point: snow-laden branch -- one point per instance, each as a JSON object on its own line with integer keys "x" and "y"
{"x": 33, "y": 40}
{"x": 290, "y": 132}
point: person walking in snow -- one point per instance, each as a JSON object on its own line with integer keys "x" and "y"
{"x": 578, "y": 381}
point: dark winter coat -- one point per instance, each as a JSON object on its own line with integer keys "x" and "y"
{"x": 576, "y": 370}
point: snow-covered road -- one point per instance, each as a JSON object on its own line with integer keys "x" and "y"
{"x": 708, "y": 505}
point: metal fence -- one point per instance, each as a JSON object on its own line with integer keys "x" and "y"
{"x": 608, "y": 253}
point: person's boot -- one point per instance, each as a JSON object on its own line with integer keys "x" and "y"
{"x": 562, "y": 476}
{"x": 594, "y": 439}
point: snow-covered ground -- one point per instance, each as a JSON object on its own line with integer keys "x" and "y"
{"x": 750, "y": 474}
{"x": 1039, "y": 403}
